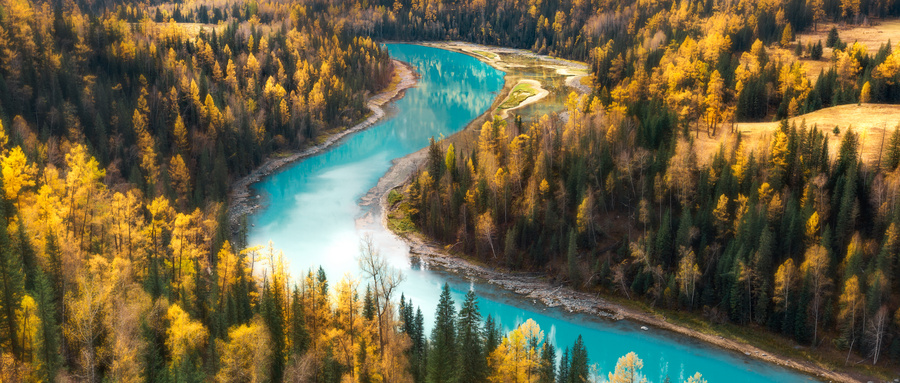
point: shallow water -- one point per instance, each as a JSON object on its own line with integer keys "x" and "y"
{"x": 313, "y": 210}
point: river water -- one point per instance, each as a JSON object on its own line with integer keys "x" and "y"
{"x": 313, "y": 215}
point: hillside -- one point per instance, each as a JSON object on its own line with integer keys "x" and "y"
{"x": 874, "y": 123}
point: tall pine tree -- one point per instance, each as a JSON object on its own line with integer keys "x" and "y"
{"x": 442, "y": 353}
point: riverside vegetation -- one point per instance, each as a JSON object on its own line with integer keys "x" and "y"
{"x": 123, "y": 124}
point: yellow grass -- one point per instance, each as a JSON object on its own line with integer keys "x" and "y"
{"x": 874, "y": 35}
{"x": 869, "y": 121}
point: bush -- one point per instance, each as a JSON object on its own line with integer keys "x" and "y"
{"x": 394, "y": 197}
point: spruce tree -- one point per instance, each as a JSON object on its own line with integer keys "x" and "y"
{"x": 578, "y": 366}
{"x": 369, "y": 304}
{"x": 442, "y": 360}
{"x": 421, "y": 358}
{"x": 547, "y": 369}
{"x": 472, "y": 365}
{"x": 893, "y": 151}
{"x": 572, "y": 257}
{"x": 564, "y": 376}
{"x": 299, "y": 333}
{"x": 11, "y": 285}
{"x": 492, "y": 335}
{"x": 49, "y": 334}
{"x": 271, "y": 313}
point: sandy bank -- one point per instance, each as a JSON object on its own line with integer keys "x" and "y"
{"x": 541, "y": 93}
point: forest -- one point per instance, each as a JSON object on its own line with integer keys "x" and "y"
{"x": 123, "y": 124}
{"x": 615, "y": 196}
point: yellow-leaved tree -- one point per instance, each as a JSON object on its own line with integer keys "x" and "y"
{"x": 247, "y": 355}
{"x": 17, "y": 173}
{"x": 517, "y": 358}
{"x": 628, "y": 370}
{"x": 815, "y": 270}
{"x": 184, "y": 337}
{"x": 785, "y": 279}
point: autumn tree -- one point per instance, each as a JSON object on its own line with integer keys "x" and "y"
{"x": 815, "y": 273}
{"x": 246, "y": 356}
{"x": 385, "y": 280}
{"x": 628, "y": 370}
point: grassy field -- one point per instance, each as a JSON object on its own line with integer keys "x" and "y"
{"x": 487, "y": 55}
{"x": 518, "y": 94}
{"x": 870, "y": 121}
{"x": 872, "y": 36}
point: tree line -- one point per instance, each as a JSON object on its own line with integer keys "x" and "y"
{"x": 781, "y": 235}
{"x": 99, "y": 283}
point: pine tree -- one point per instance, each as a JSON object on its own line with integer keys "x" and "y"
{"x": 369, "y": 304}
{"x": 563, "y": 376}
{"x": 299, "y": 333}
{"x": 11, "y": 285}
{"x": 421, "y": 361}
{"x": 472, "y": 366}
{"x": 578, "y": 367}
{"x": 571, "y": 256}
{"x": 442, "y": 348}
{"x": 492, "y": 336}
{"x": 271, "y": 312}
{"x": 49, "y": 333}
{"x": 547, "y": 369}
{"x": 893, "y": 150}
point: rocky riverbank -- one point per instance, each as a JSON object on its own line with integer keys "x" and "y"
{"x": 242, "y": 200}
{"x": 534, "y": 287}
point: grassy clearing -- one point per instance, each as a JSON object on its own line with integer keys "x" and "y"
{"x": 487, "y": 55}
{"x": 517, "y": 95}
{"x": 872, "y": 36}
{"x": 870, "y": 121}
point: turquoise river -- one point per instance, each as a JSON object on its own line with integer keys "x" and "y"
{"x": 313, "y": 214}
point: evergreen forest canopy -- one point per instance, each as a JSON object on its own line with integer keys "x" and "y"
{"x": 123, "y": 124}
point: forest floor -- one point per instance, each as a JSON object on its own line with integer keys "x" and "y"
{"x": 874, "y": 123}
{"x": 243, "y": 201}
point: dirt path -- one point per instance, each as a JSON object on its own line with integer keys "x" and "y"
{"x": 244, "y": 203}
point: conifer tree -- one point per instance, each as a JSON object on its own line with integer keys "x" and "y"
{"x": 563, "y": 376}
{"x": 578, "y": 367}
{"x": 547, "y": 369}
{"x": 472, "y": 366}
{"x": 442, "y": 354}
{"x": 49, "y": 333}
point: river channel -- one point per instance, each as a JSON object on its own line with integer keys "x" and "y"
{"x": 313, "y": 208}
